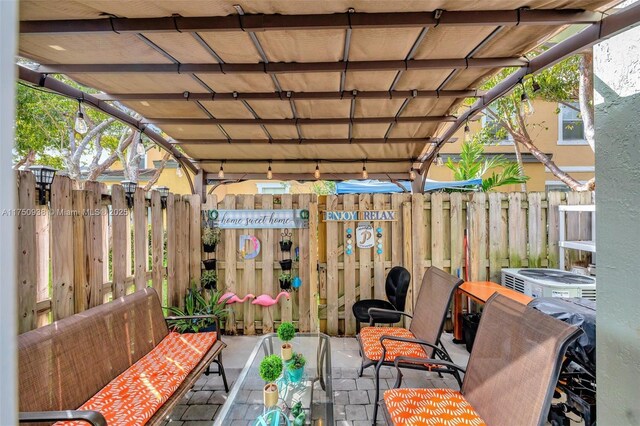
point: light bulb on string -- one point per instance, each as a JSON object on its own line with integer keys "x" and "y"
{"x": 140, "y": 147}
{"x": 527, "y": 107}
{"x": 221, "y": 172}
{"x": 269, "y": 172}
{"x": 365, "y": 174}
{"x": 80, "y": 125}
{"x": 179, "y": 171}
{"x": 467, "y": 131}
{"x": 316, "y": 174}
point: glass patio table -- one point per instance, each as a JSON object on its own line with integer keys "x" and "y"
{"x": 244, "y": 404}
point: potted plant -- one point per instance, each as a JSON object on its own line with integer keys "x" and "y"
{"x": 209, "y": 264}
{"x": 285, "y": 244}
{"x": 286, "y": 332}
{"x": 210, "y": 239}
{"x": 270, "y": 369}
{"x": 198, "y": 302}
{"x": 285, "y": 280}
{"x": 208, "y": 279}
{"x": 295, "y": 367}
{"x": 286, "y": 264}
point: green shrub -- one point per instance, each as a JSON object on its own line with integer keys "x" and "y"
{"x": 270, "y": 368}
{"x": 286, "y": 331}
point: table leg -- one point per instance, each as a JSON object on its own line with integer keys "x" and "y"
{"x": 457, "y": 317}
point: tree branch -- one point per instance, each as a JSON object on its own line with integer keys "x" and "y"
{"x": 26, "y": 161}
{"x": 585, "y": 97}
{"x": 158, "y": 172}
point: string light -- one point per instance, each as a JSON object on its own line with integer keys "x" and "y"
{"x": 439, "y": 161}
{"x": 269, "y": 172}
{"x": 179, "y": 172}
{"x": 221, "y": 171}
{"x": 527, "y": 107}
{"x": 365, "y": 174}
{"x": 80, "y": 125}
{"x": 534, "y": 85}
{"x": 316, "y": 174}
{"x": 140, "y": 146}
{"x": 467, "y": 131}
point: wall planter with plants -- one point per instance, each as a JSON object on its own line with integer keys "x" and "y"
{"x": 285, "y": 245}
{"x": 200, "y": 303}
{"x": 270, "y": 369}
{"x": 210, "y": 239}
{"x": 286, "y": 264}
{"x": 209, "y": 264}
{"x": 295, "y": 367}
{"x": 285, "y": 280}
{"x": 286, "y": 332}
{"x": 209, "y": 279}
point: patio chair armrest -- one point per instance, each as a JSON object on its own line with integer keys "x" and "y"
{"x": 418, "y": 341}
{"x": 92, "y": 417}
{"x": 413, "y": 360}
{"x": 371, "y": 311}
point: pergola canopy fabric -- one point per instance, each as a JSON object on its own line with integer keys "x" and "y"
{"x": 152, "y": 55}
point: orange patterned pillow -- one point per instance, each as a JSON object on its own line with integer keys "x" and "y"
{"x": 370, "y": 338}
{"x": 413, "y": 407}
{"x": 134, "y": 396}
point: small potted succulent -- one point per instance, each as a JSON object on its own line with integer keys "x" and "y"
{"x": 285, "y": 244}
{"x": 286, "y": 332}
{"x": 210, "y": 239}
{"x": 295, "y": 367}
{"x": 286, "y": 264}
{"x": 270, "y": 369}
{"x": 208, "y": 279}
{"x": 209, "y": 264}
{"x": 285, "y": 280}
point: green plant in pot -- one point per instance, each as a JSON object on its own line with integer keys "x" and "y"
{"x": 285, "y": 280}
{"x": 295, "y": 367}
{"x": 270, "y": 369}
{"x": 202, "y": 312}
{"x": 208, "y": 279}
{"x": 210, "y": 238}
{"x": 286, "y": 332}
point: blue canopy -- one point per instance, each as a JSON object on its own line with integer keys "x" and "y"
{"x": 379, "y": 187}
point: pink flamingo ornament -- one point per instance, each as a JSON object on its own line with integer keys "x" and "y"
{"x": 267, "y": 301}
{"x": 230, "y": 298}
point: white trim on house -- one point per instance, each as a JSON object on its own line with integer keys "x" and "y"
{"x": 507, "y": 141}
{"x": 561, "y": 140}
{"x": 574, "y": 169}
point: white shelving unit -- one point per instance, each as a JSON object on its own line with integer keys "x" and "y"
{"x": 575, "y": 245}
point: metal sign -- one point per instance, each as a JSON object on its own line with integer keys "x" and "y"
{"x": 365, "y": 236}
{"x": 257, "y": 219}
{"x": 360, "y": 215}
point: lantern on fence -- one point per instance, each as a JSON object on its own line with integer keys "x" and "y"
{"x": 129, "y": 189}
{"x": 44, "y": 177}
{"x": 164, "y": 193}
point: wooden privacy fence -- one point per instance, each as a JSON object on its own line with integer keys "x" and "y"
{"x": 88, "y": 247}
{"x": 504, "y": 230}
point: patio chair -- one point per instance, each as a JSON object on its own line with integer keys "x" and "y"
{"x": 396, "y": 287}
{"x": 382, "y": 345}
{"x": 510, "y": 377}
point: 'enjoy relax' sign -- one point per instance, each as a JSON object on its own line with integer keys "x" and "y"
{"x": 257, "y": 219}
{"x": 360, "y": 215}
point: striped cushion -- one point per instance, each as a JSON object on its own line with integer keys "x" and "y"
{"x": 134, "y": 396}
{"x": 413, "y": 407}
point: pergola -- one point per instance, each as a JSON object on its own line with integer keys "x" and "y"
{"x": 337, "y": 85}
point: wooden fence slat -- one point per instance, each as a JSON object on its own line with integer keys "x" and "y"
{"x": 553, "y": 218}
{"x": 437, "y": 230}
{"x": 304, "y": 302}
{"x": 286, "y": 306}
{"x": 396, "y": 231}
{"x": 457, "y": 226}
{"x": 195, "y": 237}
{"x": 332, "y": 269}
{"x": 119, "y": 229}
{"x": 182, "y": 272}
{"x": 348, "y": 203}
{"x": 314, "y": 289}
{"x": 173, "y": 296}
{"x": 366, "y": 290}
{"x": 27, "y": 256}
{"x": 478, "y": 237}
{"x": 62, "y": 253}
{"x": 517, "y": 231}
{"x": 80, "y": 261}
{"x": 229, "y": 237}
{"x": 536, "y": 230}
{"x": 407, "y": 250}
{"x": 378, "y": 259}
{"x": 93, "y": 239}
{"x": 497, "y": 250}
{"x": 157, "y": 243}
{"x": 249, "y": 274}
{"x": 418, "y": 245}
{"x": 140, "y": 237}
{"x": 269, "y": 247}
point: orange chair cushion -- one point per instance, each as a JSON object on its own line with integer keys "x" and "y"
{"x": 134, "y": 396}
{"x": 370, "y": 339}
{"x": 412, "y": 407}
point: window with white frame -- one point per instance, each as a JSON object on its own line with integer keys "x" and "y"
{"x": 272, "y": 188}
{"x": 497, "y": 133}
{"x": 570, "y": 125}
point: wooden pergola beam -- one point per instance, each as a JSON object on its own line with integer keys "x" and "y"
{"x": 301, "y": 121}
{"x": 361, "y": 141}
{"x": 286, "y": 67}
{"x": 275, "y": 22}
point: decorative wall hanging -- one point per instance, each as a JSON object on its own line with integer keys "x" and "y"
{"x": 297, "y": 282}
{"x": 349, "y": 241}
{"x": 257, "y": 219}
{"x": 360, "y": 215}
{"x": 364, "y": 236}
{"x": 379, "y": 240}
{"x": 285, "y": 280}
{"x": 249, "y": 246}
